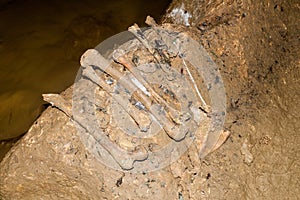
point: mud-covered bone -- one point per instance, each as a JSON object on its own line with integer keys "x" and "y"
{"x": 142, "y": 119}
{"x": 122, "y": 59}
{"x": 124, "y": 158}
{"x": 151, "y": 21}
{"x": 135, "y": 29}
{"x": 94, "y": 58}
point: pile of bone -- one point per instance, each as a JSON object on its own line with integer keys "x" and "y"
{"x": 139, "y": 105}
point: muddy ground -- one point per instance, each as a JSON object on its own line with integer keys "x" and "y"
{"x": 256, "y": 46}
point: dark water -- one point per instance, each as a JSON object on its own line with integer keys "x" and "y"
{"x": 41, "y": 43}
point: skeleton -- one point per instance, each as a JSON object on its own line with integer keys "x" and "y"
{"x": 146, "y": 105}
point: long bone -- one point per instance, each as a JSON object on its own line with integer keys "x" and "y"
{"x": 94, "y": 58}
{"x": 122, "y": 59}
{"x": 124, "y": 158}
{"x": 142, "y": 120}
{"x": 151, "y": 22}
